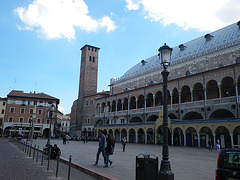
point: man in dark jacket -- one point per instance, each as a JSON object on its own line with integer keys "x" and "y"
{"x": 108, "y": 150}
{"x": 102, "y": 145}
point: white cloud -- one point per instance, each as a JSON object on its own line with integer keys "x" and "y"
{"x": 133, "y": 4}
{"x": 61, "y": 109}
{"x": 203, "y": 15}
{"x": 58, "y": 18}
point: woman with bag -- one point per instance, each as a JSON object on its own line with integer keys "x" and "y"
{"x": 108, "y": 151}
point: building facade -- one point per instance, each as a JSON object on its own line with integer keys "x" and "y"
{"x": 21, "y": 107}
{"x": 203, "y": 95}
{"x": 3, "y": 102}
{"x": 65, "y": 124}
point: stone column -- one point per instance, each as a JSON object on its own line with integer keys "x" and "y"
{"x": 100, "y": 109}
{"x": 127, "y": 137}
{"x": 191, "y": 90}
{"x": 236, "y": 89}
{"x": 205, "y": 102}
{"x": 120, "y": 134}
{"x": 128, "y": 105}
{"x": 219, "y": 89}
{"x": 116, "y": 107}
{"x": 198, "y": 140}
{"x": 172, "y": 139}
{"x": 136, "y": 102}
{"x": 231, "y": 135}
{"x": 171, "y": 99}
{"x": 185, "y": 141}
{"x": 205, "y": 95}
{"x": 145, "y": 104}
{"x": 122, "y": 105}
{"x": 136, "y": 138}
{"x": 146, "y": 138}
{"x": 179, "y": 97}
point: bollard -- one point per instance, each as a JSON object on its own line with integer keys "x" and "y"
{"x": 25, "y": 147}
{"x": 30, "y": 147}
{"x": 49, "y": 155}
{"x": 57, "y": 166}
{"x": 34, "y": 151}
{"x": 42, "y": 157}
{"x": 37, "y": 154}
{"x": 69, "y": 167}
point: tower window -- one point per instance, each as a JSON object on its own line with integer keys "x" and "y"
{"x": 12, "y": 110}
{"x": 40, "y": 111}
{"x": 93, "y": 59}
{"x": 90, "y": 58}
{"x": 10, "y": 119}
{"x": 88, "y": 48}
{"x": 39, "y": 120}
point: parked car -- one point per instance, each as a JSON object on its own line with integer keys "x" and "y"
{"x": 228, "y": 165}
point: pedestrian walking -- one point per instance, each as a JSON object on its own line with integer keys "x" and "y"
{"x": 83, "y": 137}
{"x": 113, "y": 143}
{"x": 218, "y": 145}
{"x": 124, "y": 142}
{"x": 101, "y": 147}
{"x": 67, "y": 138}
{"x": 210, "y": 144}
{"x": 108, "y": 151}
{"x": 64, "y": 139}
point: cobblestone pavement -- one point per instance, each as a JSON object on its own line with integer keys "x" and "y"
{"x": 187, "y": 163}
{"x": 16, "y": 165}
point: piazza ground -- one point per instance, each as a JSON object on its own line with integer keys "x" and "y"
{"x": 186, "y": 162}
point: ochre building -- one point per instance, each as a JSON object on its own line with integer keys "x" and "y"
{"x": 20, "y": 107}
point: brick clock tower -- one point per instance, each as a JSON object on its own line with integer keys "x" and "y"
{"x": 88, "y": 80}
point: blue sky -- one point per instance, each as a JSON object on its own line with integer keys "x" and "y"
{"x": 40, "y": 40}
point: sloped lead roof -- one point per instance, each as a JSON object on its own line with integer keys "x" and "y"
{"x": 220, "y": 39}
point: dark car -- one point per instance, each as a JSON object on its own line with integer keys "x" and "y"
{"x": 228, "y": 165}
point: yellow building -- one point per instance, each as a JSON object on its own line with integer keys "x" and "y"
{"x": 203, "y": 95}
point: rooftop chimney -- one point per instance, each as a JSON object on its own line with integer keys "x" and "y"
{"x": 208, "y": 37}
{"x": 238, "y": 24}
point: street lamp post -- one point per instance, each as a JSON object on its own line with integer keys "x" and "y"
{"x": 30, "y": 121}
{"x": 51, "y": 116}
{"x": 33, "y": 118}
{"x": 165, "y": 172}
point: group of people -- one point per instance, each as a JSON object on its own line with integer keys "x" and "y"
{"x": 106, "y": 147}
{"x": 210, "y": 145}
{"x": 66, "y": 138}
{"x": 53, "y": 151}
